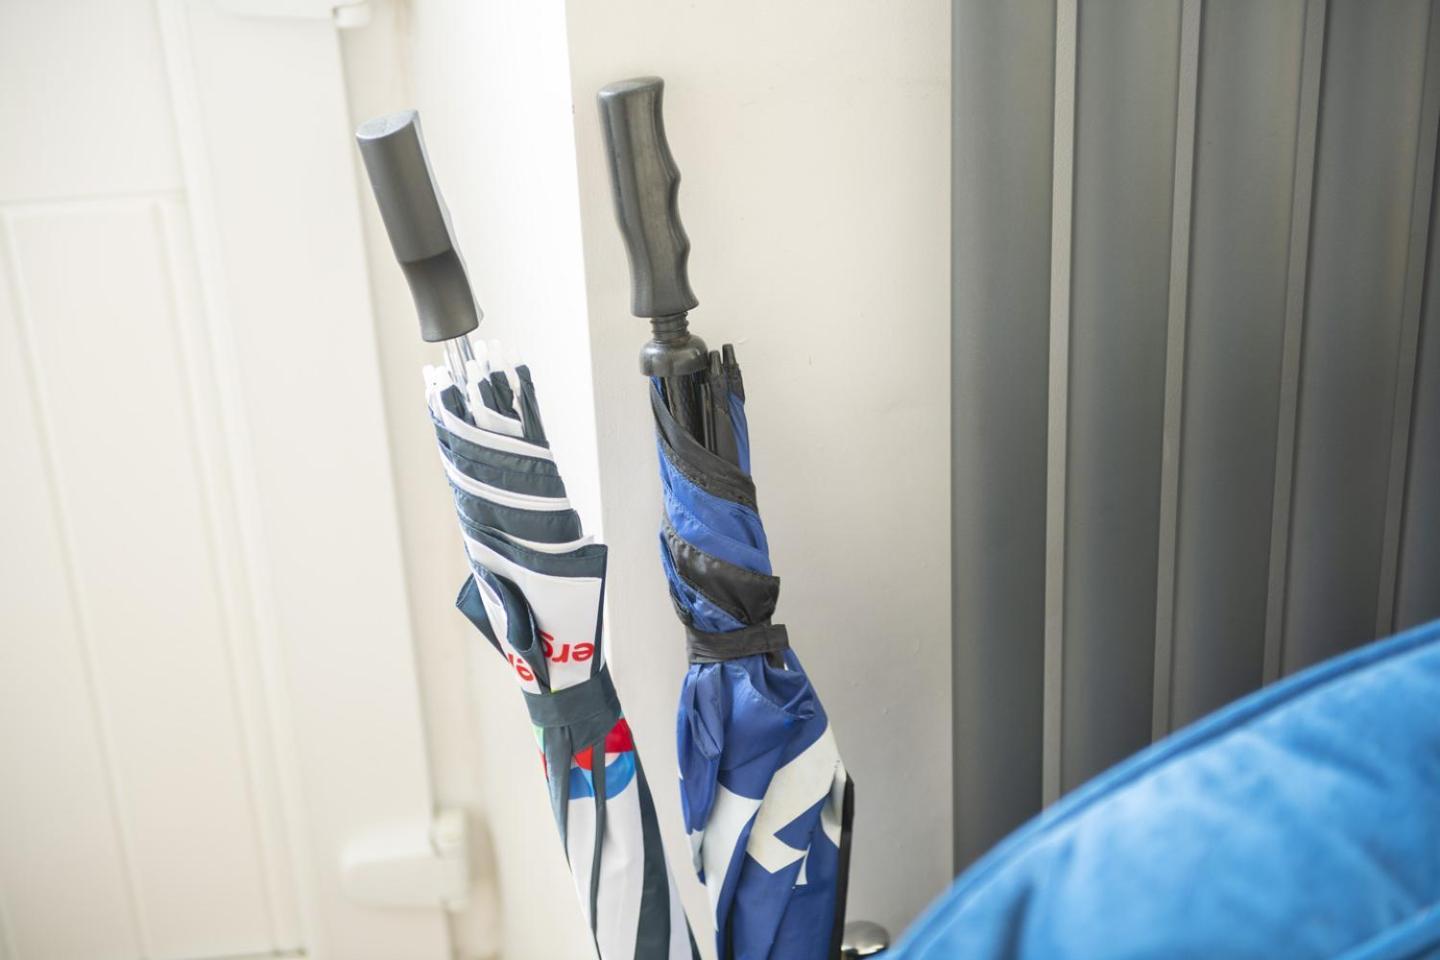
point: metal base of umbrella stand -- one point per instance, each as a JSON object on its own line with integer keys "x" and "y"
{"x": 864, "y": 939}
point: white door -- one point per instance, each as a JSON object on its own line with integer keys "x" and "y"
{"x": 207, "y": 694}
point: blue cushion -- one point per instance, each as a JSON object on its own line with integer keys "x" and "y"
{"x": 1302, "y": 821}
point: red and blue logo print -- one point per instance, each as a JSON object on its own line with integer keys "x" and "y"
{"x": 619, "y": 760}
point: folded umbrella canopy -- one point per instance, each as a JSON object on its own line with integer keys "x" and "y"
{"x": 764, "y": 793}
{"x": 536, "y": 581}
{"x": 766, "y": 799}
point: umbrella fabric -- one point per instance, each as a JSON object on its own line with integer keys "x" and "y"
{"x": 535, "y": 592}
{"x": 766, "y": 799}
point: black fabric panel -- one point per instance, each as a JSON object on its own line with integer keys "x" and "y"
{"x": 705, "y": 647}
{"x": 509, "y": 471}
{"x": 747, "y": 596}
{"x": 588, "y": 709}
{"x": 530, "y": 408}
{"x": 707, "y": 471}
{"x": 586, "y": 561}
{"x": 539, "y": 526}
{"x": 520, "y": 626}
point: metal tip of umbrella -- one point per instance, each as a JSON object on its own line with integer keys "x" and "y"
{"x": 864, "y": 939}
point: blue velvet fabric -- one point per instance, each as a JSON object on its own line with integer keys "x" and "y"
{"x": 1300, "y": 822}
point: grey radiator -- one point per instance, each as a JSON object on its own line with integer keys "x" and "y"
{"x": 1196, "y": 401}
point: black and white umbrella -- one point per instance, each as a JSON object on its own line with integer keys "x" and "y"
{"x": 536, "y": 581}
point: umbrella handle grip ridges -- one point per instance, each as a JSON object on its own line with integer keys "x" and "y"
{"x": 645, "y": 182}
{"x": 418, "y": 224}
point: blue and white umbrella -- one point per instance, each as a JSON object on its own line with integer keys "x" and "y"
{"x": 766, "y": 798}
{"x": 767, "y": 802}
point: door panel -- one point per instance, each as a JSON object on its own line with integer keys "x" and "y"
{"x": 107, "y": 380}
{"x": 69, "y": 67}
{"x": 59, "y": 848}
{"x": 185, "y": 753}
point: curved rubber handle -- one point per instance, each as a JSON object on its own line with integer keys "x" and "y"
{"x": 418, "y": 224}
{"x": 644, "y": 181}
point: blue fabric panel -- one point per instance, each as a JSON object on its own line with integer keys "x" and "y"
{"x": 741, "y": 425}
{"x": 1301, "y": 822}
{"x": 721, "y": 528}
{"x": 739, "y": 722}
{"x": 742, "y": 720}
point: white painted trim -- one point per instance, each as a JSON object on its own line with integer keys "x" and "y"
{"x": 320, "y": 718}
{"x": 283, "y": 871}
{"x": 100, "y": 712}
{"x": 296, "y": 9}
{"x": 233, "y": 577}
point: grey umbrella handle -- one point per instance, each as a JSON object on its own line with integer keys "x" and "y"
{"x": 645, "y": 182}
{"x": 418, "y": 224}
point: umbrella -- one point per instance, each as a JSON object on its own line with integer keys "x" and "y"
{"x": 766, "y": 798}
{"x": 536, "y": 581}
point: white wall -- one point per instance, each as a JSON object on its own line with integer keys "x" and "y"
{"x": 816, "y": 191}
{"x": 813, "y": 144}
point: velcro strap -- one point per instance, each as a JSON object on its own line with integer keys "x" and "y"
{"x": 589, "y": 708}
{"x": 764, "y": 637}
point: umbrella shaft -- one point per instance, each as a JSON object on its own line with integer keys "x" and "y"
{"x": 457, "y": 354}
